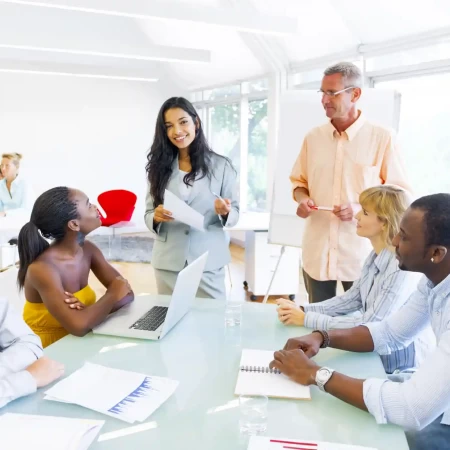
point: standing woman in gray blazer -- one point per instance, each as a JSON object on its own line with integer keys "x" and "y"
{"x": 181, "y": 161}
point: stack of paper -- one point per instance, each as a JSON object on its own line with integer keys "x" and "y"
{"x": 266, "y": 443}
{"x": 25, "y": 431}
{"x": 125, "y": 395}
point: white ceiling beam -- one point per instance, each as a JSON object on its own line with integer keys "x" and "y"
{"x": 169, "y": 10}
{"x": 406, "y": 42}
{"x": 424, "y": 68}
{"x": 323, "y": 61}
{"x": 38, "y": 30}
{"x": 266, "y": 49}
{"x": 376, "y": 49}
{"x": 47, "y": 68}
{"x": 104, "y": 49}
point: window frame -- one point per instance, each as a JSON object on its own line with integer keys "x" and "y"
{"x": 243, "y": 100}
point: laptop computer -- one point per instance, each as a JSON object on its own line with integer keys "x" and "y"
{"x": 152, "y": 317}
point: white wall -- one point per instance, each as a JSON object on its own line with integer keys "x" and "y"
{"x": 92, "y": 134}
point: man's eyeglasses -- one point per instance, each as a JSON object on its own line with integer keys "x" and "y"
{"x": 332, "y": 93}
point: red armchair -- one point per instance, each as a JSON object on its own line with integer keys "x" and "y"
{"x": 118, "y": 206}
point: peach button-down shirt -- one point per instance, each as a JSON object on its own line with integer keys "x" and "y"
{"x": 335, "y": 168}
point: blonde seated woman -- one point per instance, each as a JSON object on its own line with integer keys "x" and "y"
{"x": 382, "y": 288}
{"x": 16, "y": 194}
{"x": 59, "y": 300}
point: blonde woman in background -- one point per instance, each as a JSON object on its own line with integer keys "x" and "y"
{"x": 382, "y": 288}
{"x": 16, "y": 195}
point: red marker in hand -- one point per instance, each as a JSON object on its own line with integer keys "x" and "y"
{"x": 321, "y": 208}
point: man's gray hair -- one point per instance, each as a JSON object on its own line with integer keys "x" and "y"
{"x": 350, "y": 73}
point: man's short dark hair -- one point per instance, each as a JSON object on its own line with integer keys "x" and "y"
{"x": 436, "y": 210}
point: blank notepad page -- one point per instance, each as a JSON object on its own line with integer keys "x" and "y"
{"x": 251, "y": 382}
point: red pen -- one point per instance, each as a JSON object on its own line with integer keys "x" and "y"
{"x": 321, "y": 208}
{"x": 310, "y": 445}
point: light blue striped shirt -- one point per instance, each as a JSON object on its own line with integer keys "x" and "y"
{"x": 19, "y": 200}
{"x": 421, "y": 399}
{"x": 381, "y": 290}
{"x": 19, "y": 347}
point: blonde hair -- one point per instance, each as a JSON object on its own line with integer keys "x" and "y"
{"x": 389, "y": 203}
{"x": 13, "y": 157}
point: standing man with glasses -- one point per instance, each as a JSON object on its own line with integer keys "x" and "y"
{"x": 337, "y": 162}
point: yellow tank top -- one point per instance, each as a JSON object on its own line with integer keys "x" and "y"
{"x": 39, "y": 319}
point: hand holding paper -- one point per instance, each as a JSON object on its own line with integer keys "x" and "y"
{"x": 162, "y": 215}
{"x": 183, "y": 212}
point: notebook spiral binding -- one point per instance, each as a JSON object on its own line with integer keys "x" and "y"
{"x": 259, "y": 369}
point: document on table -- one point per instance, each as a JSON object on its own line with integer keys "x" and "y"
{"x": 183, "y": 212}
{"x": 27, "y": 431}
{"x": 267, "y": 443}
{"x": 125, "y": 395}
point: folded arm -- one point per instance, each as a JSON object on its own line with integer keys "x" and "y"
{"x": 105, "y": 273}
{"x": 47, "y": 282}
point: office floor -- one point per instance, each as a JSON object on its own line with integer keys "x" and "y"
{"x": 142, "y": 279}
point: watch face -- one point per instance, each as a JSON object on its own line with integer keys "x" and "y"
{"x": 323, "y": 375}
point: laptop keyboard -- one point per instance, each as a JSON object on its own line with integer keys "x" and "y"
{"x": 151, "y": 320}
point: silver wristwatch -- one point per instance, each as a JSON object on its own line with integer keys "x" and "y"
{"x": 322, "y": 377}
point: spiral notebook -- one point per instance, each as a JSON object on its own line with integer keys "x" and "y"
{"x": 255, "y": 378}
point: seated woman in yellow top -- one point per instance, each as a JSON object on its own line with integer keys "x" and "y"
{"x": 48, "y": 273}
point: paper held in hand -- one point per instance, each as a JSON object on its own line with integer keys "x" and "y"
{"x": 183, "y": 212}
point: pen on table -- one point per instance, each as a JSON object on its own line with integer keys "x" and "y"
{"x": 311, "y": 445}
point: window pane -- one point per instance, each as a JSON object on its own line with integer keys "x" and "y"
{"x": 257, "y": 156}
{"x": 258, "y": 85}
{"x": 423, "y": 131}
{"x": 222, "y": 92}
{"x": 195, "y": 96}
{"x": 200, "y": 114}
{"x": 224, "y": 133}
{"x": 308, "y": 77}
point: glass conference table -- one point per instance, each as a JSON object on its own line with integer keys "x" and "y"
{"x": 203, "y": 413}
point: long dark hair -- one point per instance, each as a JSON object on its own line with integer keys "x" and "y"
{"x": 51, "y": 212}
{"x": 163, "y": 153}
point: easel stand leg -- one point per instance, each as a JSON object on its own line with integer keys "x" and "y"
{"x": 274, "y": 274}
